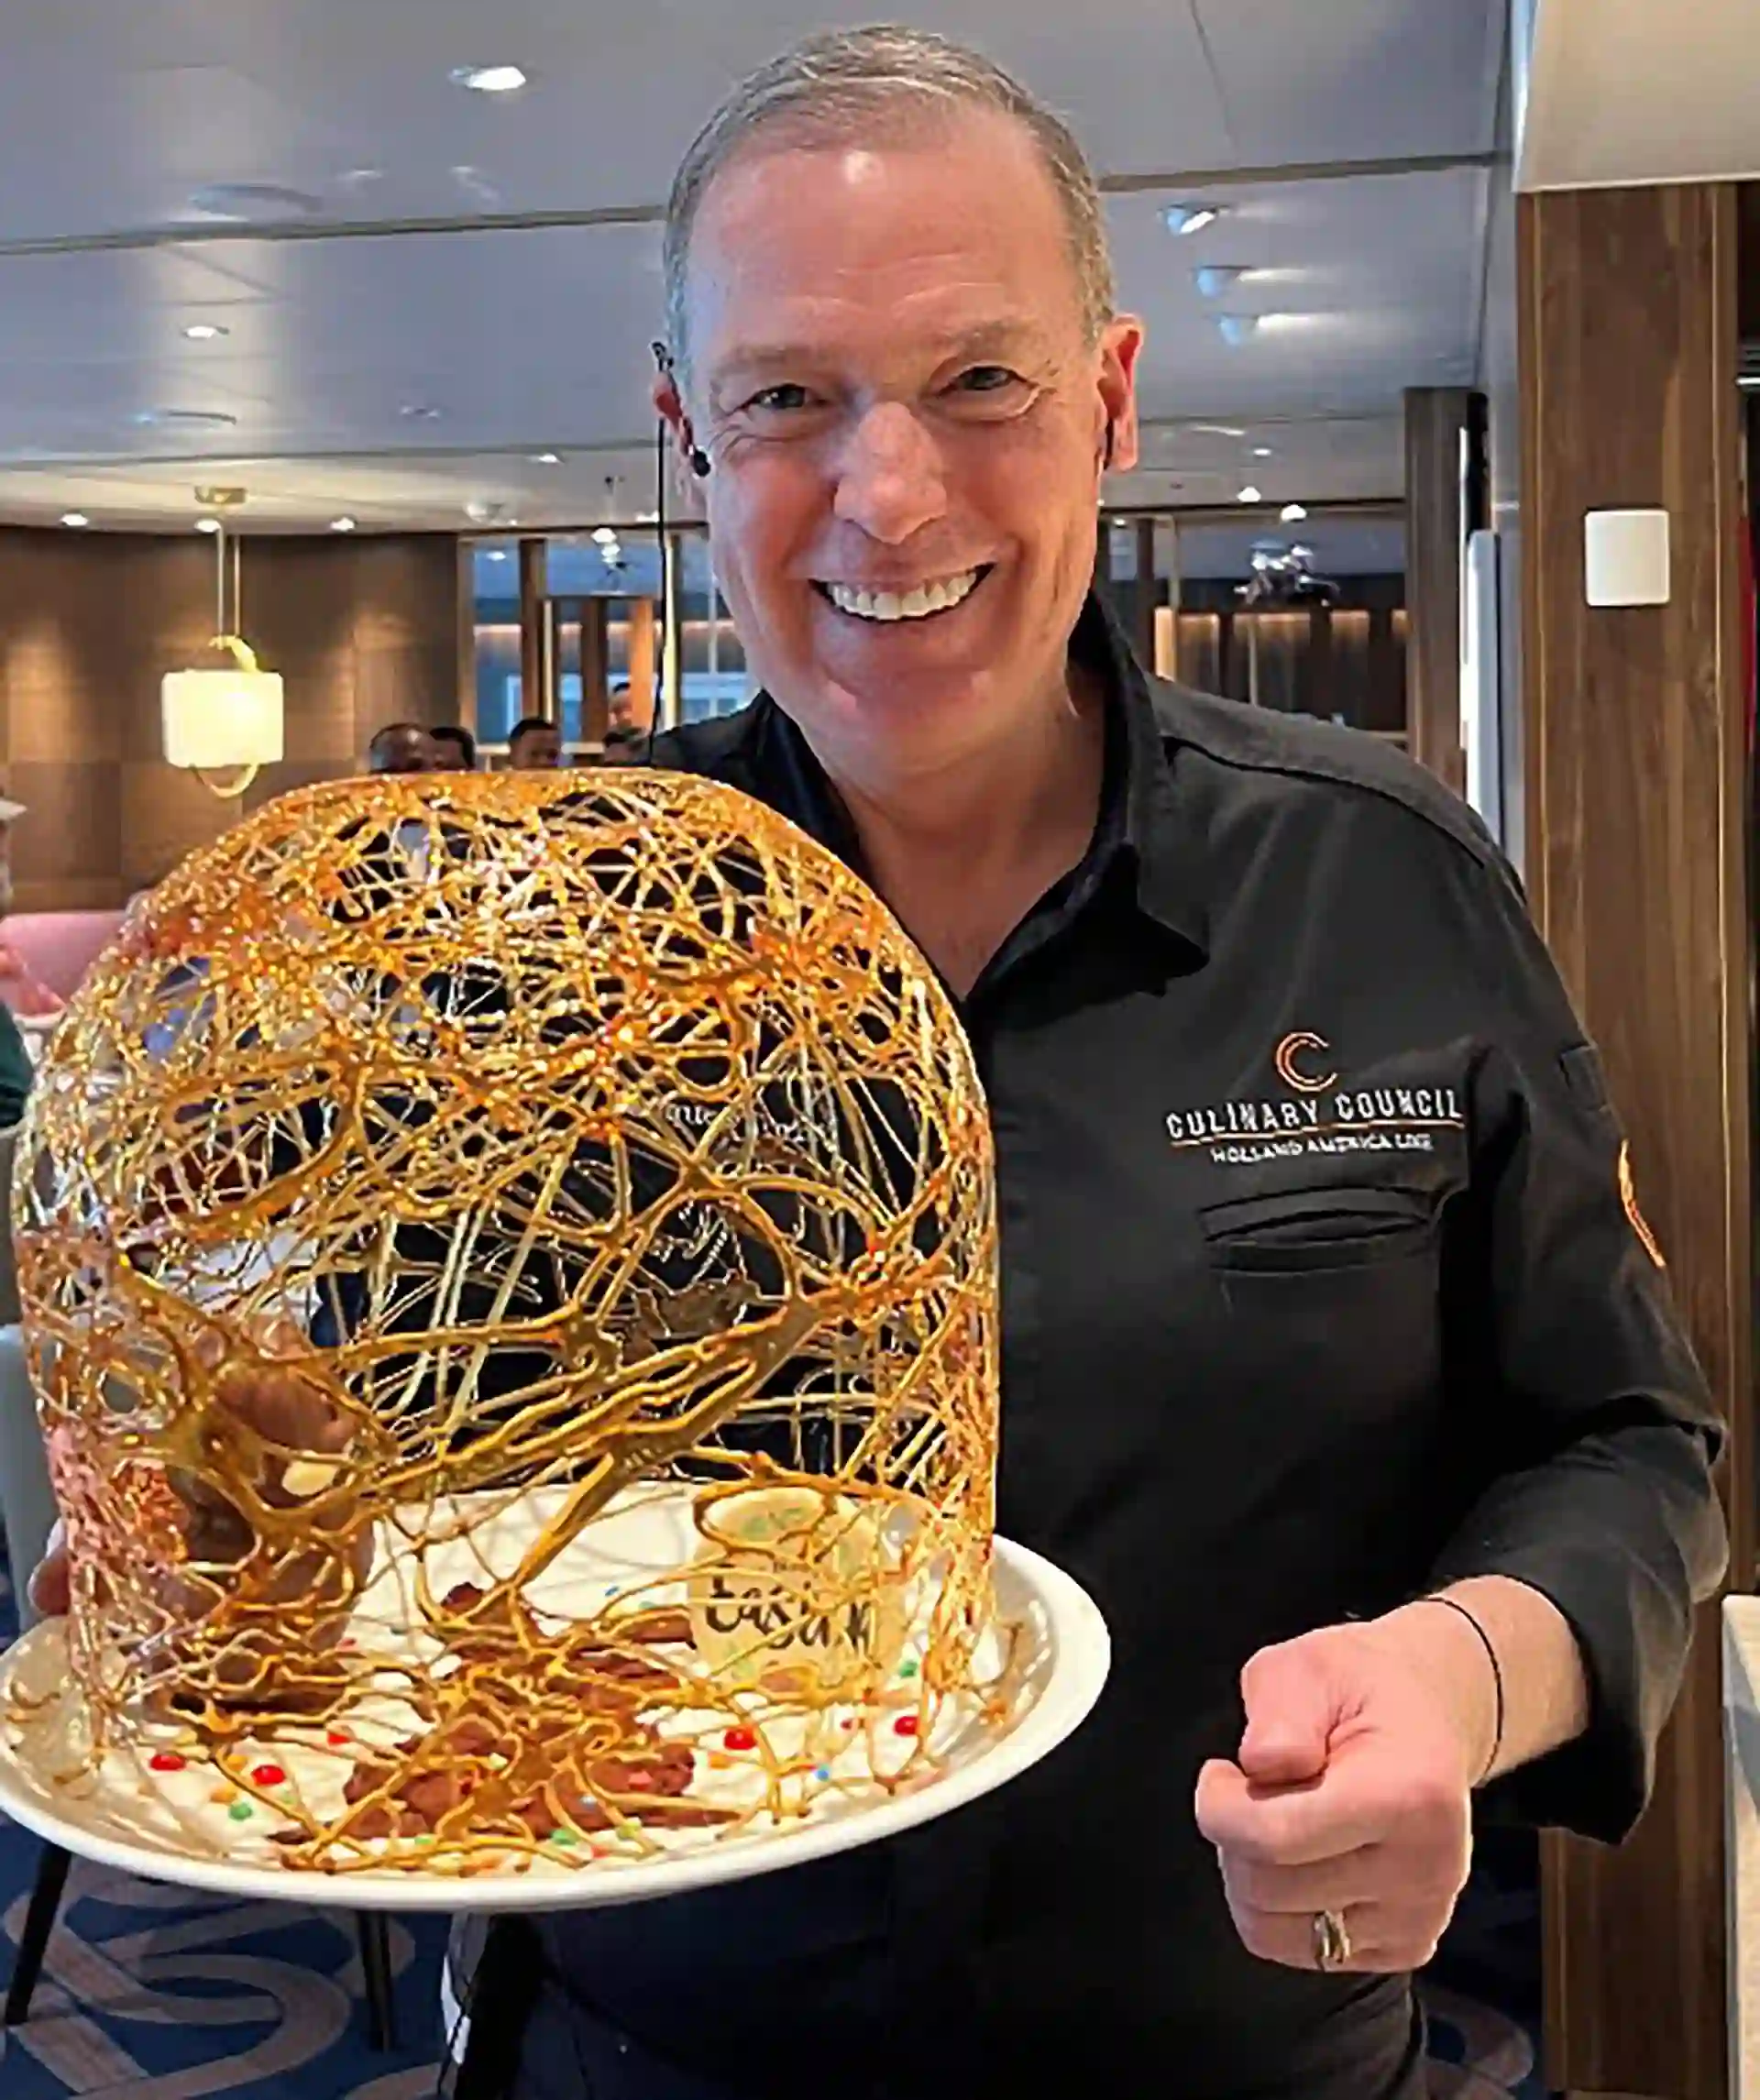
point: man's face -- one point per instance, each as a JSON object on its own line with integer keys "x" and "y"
{"x": 538, "y": 751}
{"x": 404, "y": 751}
{"x": 620, "y": 711}
{"x": 889, "y": 368}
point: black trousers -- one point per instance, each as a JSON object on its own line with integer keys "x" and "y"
{"x": 531, "y": 2038}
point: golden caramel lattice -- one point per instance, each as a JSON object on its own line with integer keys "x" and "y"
{"x": 509, "y": 1273}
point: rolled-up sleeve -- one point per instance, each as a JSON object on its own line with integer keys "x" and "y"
{"x": 1606, "y": 1434}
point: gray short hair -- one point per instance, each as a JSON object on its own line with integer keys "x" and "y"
{"x": 835, "y": 86}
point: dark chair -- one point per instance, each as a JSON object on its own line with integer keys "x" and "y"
{"x": 52, "y": 1864}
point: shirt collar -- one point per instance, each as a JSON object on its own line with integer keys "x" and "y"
{"x": 1142, "y": 835}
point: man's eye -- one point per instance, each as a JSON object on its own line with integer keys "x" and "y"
{"x": 985, "y": 379}
{"x": 781, "y": 399}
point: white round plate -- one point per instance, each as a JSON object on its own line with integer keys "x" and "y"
{"x": 1059, "y": 1666}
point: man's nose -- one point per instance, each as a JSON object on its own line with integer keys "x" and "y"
{"x": 891, "y": 480}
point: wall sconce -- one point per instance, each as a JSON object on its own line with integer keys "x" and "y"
{"x": 227, "y": 718}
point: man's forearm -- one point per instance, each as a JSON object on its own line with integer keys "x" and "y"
{"x": 1544, "y": 1687}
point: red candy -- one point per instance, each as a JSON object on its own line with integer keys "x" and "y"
{"x": 740, "y": 1739}
{"x": 166, "y": 1761}
{"x": 906, "y": 1724}
{"x": 268, "y": 1775}
{"x": 337, "y": 1735}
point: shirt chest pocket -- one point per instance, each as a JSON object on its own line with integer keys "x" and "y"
{"x": 1332, "y": 1291}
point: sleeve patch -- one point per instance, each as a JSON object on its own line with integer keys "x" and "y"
{"x": 1635, "y": 1217}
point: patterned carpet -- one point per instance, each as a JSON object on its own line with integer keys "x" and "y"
{"x": 156, "y": 1993}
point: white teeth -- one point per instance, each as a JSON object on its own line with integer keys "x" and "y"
{"x": 915, "y": 604}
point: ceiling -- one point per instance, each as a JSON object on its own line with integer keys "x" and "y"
{"x": 473, "y": 279}
{"x": 1640, "y": 91}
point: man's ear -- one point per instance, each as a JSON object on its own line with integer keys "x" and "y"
{"x": 670, "y": 407}
{"x": 1120, "y": 345}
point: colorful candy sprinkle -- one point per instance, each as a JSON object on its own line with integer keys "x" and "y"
{"x": 641, "y": 1782}
{"x": 906, "y": 1724}
{"x": 268, "y": 1775}
{"x": 223, "y": 1795}
{"x": 562, "y": 1838}
{"x": 337, "y": 1735}
{"x": 241, "y": 1812}
{"x": 849, "y": 1727}
{"x": 717, "y": 1763}
{"x": 740, "y": 1739}
{"x": 166, "y": 1761}
{"x": 824, "y": 1772}
{"x": 906, "y": 1669}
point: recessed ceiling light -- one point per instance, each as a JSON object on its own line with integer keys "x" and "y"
{"x": 184, "y": 419}
{"x": 547, "y": 459}
{"x": 1190, "y": 218}
{"x": 1218, "y": 429}
{"x": 1292, "y": 513}
{"x": 342, "y": 525}
{"x": 497, "y": 554}
{"x": 208, "y": 524}
{"x": 254, "y": 201}
{"x": 647, "y": 517}
{"x": 489, "y": 79}
{"x": 1216, "y": 277}
{"x": 205, "y": 332}
{"x": 1238, "y": 328}
{"x": 419, "y": 412}
{"x": 1261, "y": 452}
{"x": 75, "y": 519}
{"x": 1248, "y": 495}
{"x": 604, "y": 536}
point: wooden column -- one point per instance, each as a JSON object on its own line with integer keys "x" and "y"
{"x": 1143, "y": 632}
{"x": 537, "y": 647}
{"x": 1436, "y": 423}
{"x": 642, "y": 661}
{"x": 595, "y": 658}
{"x": 1635, "y": 731}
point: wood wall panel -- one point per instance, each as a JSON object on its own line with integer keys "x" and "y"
{"x": 1636, "y": 786}
{"x": 363, "y": 632}
{"x": 1436, "y": 418}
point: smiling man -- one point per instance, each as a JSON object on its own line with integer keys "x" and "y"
{"x": 1334, "y": 1363}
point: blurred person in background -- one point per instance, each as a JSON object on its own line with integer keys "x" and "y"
{"x": 534, "y": 746}
{"x": 455, "y": 747}
{"x": 402, "y": 747}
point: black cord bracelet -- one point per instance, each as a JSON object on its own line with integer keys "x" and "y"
{"x": 1435, "y": 1597}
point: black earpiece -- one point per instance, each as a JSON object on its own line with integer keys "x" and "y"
{"x": 698, "y": 459}
{"x": 1112, "y": 433}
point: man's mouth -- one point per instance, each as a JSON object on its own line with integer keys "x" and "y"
{"x": 922, "y": 602}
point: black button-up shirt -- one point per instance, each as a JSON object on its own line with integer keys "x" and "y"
{"x": 1322, "y": 1286}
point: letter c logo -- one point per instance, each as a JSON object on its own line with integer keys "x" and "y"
{"x": 1295, "y": 1046}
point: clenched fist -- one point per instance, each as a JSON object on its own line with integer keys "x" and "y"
{"x": 1351, "y": 1792}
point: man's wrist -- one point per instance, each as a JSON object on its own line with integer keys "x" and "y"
{"x": 1449, "y": 1650}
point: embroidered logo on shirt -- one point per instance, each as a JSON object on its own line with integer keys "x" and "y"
{"x": 1326, "y": 1116}
{"x": 1291, "y": 1074}
{"x": 1635, "y": 1217}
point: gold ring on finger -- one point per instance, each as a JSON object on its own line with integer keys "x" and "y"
{"x": 1331, "y": 1941}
